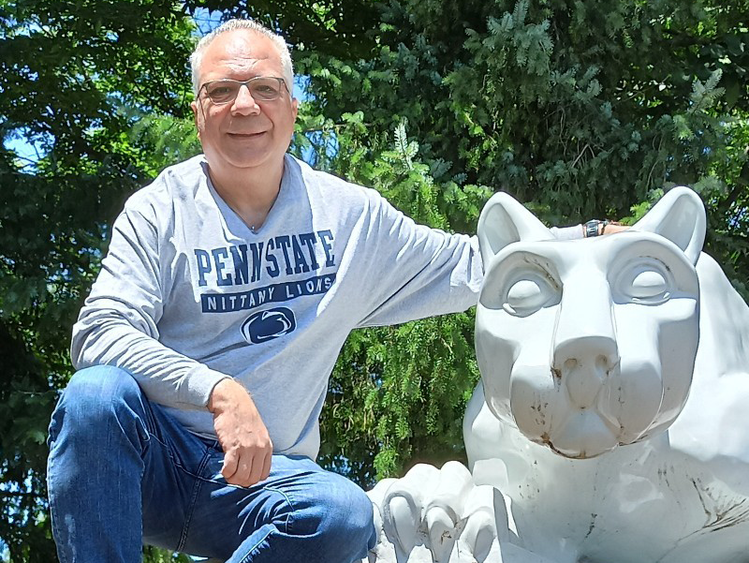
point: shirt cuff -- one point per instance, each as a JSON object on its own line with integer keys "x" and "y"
{"x": 199, "y": 385}
{"x": 567, "y": 233}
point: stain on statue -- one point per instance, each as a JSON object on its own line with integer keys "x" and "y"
{"x": 612, "y": 422}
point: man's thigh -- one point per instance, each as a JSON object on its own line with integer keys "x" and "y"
{"x": 298, "y": 500}
{"x": 174, "y": 463}
{"x": 188, "y": 506}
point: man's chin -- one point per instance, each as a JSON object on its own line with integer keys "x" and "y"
{"x": 243, "y": 160}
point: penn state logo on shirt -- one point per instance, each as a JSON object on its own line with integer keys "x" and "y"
{"x": 268, "y": 324}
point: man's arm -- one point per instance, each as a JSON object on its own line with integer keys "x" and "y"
{"x": 419, "y": 272}
{"x": 414, "y": 271}
{"x": 118, "y": 326}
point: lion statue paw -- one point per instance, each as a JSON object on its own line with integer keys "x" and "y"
{"x": 442, "y": 516}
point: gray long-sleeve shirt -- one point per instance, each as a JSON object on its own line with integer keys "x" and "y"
{"x": 189, "y": 295}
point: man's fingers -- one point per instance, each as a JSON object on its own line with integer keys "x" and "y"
{"x": 266, "y": 466}
{"x": 255, "y": 476}
{"x": 241, "y": 433}
{"x": 260, "y": 466}
{"x": 244, "y": 469}
{"x": 231, "y": 464}
{"x": 242, "y": 475}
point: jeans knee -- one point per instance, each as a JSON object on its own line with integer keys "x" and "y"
{"x": 93, "y": 397}
{"x": 346, "y": 526}
{"x": 359, "y": 515}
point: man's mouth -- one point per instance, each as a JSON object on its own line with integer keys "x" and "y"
{"x": 246, "y": 135}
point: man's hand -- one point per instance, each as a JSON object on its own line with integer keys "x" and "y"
{"x": 241, "y": 433}
{"x": 613, "y": 227}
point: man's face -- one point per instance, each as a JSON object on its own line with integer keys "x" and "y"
{"x": 246, "y": 133}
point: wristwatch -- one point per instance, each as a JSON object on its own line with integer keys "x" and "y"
{"x": 594, "y": 227}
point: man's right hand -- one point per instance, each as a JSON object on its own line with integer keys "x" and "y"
{"x": 241, "y": 433}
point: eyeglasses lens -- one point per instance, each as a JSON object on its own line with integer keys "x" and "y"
{"x": 225, "y": 91}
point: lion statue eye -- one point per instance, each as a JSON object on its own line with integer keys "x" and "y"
{"x": 648, "y": 285}
{"x": 526, "y": 296}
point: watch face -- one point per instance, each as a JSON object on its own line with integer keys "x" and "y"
{"x": 591, "y": 228}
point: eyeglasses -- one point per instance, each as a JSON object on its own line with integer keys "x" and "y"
{"x": 264, "y": 88}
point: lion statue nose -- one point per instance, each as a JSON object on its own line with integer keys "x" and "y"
{"x": 583, "y": 365}
{"x": 585, "y": 352}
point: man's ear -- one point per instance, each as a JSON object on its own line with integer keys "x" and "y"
{"x": 678, "y": 216}
{"x": 503, "y": 221}
{"x": 195, "y": 116}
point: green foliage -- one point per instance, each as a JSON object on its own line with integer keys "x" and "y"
{"x": 391, "y": 404}
{"x": 162, "y": 140}
{"x": 155, "y": 555}
{"x": 68, "y": 72}
{"x": 340, "y": 27}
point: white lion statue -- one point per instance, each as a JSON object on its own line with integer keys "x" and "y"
{"x": 612, "y": 425}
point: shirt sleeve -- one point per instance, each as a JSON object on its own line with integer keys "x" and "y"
{"x": 415, "y": 271}
{"x": 568, "y": 233}
{"x": 118, "y": 324}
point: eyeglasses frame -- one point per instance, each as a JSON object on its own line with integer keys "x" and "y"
{"x": 241, "y": 83}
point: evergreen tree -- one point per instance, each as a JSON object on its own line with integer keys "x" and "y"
{"x": 75, "y": 78}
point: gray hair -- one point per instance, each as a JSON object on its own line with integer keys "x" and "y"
{"x": 283, "y": 50}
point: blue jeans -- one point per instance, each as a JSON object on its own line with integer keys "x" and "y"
{"x": 122, "y": 473}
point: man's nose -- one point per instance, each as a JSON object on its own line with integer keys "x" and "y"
{"x": 244, "y": 103}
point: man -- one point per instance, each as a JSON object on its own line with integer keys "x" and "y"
{"x": 206, "y": 344}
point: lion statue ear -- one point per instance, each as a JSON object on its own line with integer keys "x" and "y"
{"x": 678, "y": 216}
{"x": 503, "y": 221}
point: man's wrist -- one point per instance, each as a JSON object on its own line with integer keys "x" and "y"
{"x": 594, "y": 228}
{"x": 223, "y": 393}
